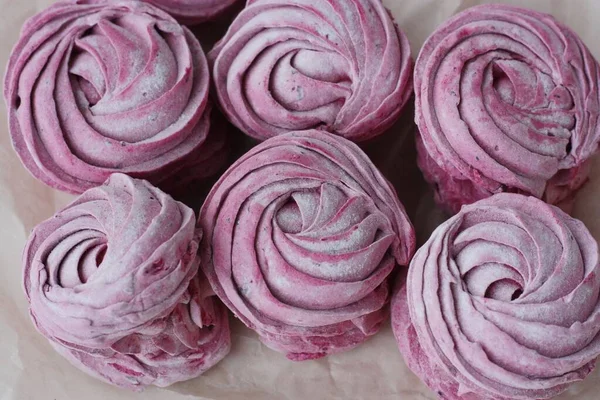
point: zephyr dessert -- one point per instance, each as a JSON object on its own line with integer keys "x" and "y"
{"x": 95, "y": 87}
{"x": 501, "y": 303}
{"x": 192, "y": 12}
{"x": 507, "y": 100}
{"x": 288, "y": 65}
{"x": 112, "y": 282}
{"x": 301, "y": 234}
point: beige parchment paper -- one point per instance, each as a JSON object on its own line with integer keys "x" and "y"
{"x": 31, "y": 370}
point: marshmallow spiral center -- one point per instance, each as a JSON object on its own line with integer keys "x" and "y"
{"x": 508, "y": 275}
{"x": 341, "y": 66}
{"x": 301, "y": 235}
{"x": 507, "y": 98}
{"x": 96, "y": 87}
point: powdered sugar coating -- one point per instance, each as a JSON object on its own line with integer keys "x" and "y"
{"x": 113, "y": 284}
{"x": 95, "y": 87}
{"x": 506, "y": 99}
{"x": 192, "y": 12}
{"x": 341, "y": 66}
{"x": 502, "y": 302}
{"x": 301, "y": 235}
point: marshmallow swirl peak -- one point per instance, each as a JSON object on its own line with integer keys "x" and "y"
{"x": 95, "y": 87}
{"x": 112, "y": 282}
{"x": 502, "y": 302}
{"x": 342, "y": 66}
{"x": 301, "y": 235}
{"x": 506, "y": 99}
{"x": 193, "y": 12}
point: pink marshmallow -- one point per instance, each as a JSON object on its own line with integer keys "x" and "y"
{"x": 501, "y": 303}
{"x": 112, "y": 282}
{"x": 340, "y": 66}
{"x": 301, "y": 235}
{"x": 95, "y": 87}
{"x": 506, "y": 100}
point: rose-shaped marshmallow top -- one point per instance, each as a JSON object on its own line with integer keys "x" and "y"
{"x": 193, "y": 12}
{"x": 95, "y": 87}
{"x": 112, "y": 282}
{"x": 506, "y": 100}
{"x": 301, "y": 234}
{"x": 502, "y": 302}
{"x": 342, "y": 66}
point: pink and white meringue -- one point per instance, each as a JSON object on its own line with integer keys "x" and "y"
{"x": 502, "y": 302}
{"x": 301, "y": 234}
{"x": 112, "y": 282}
{"x": 95, "y": 87}
{"x": 192, "y": 12}
{"x": 506, "y": 99}
{"x": 340, "y": 66}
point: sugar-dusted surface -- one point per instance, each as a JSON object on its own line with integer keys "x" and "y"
{"x": 31, "y": 369}
{"x": 341, "y": 66}
{"x": 112, "y": 282}
{"x": 302, "y": 233}
{"x": 96, "y": 87}
{"x": 506, "y": 99}
{"x": 502, "y": 302}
